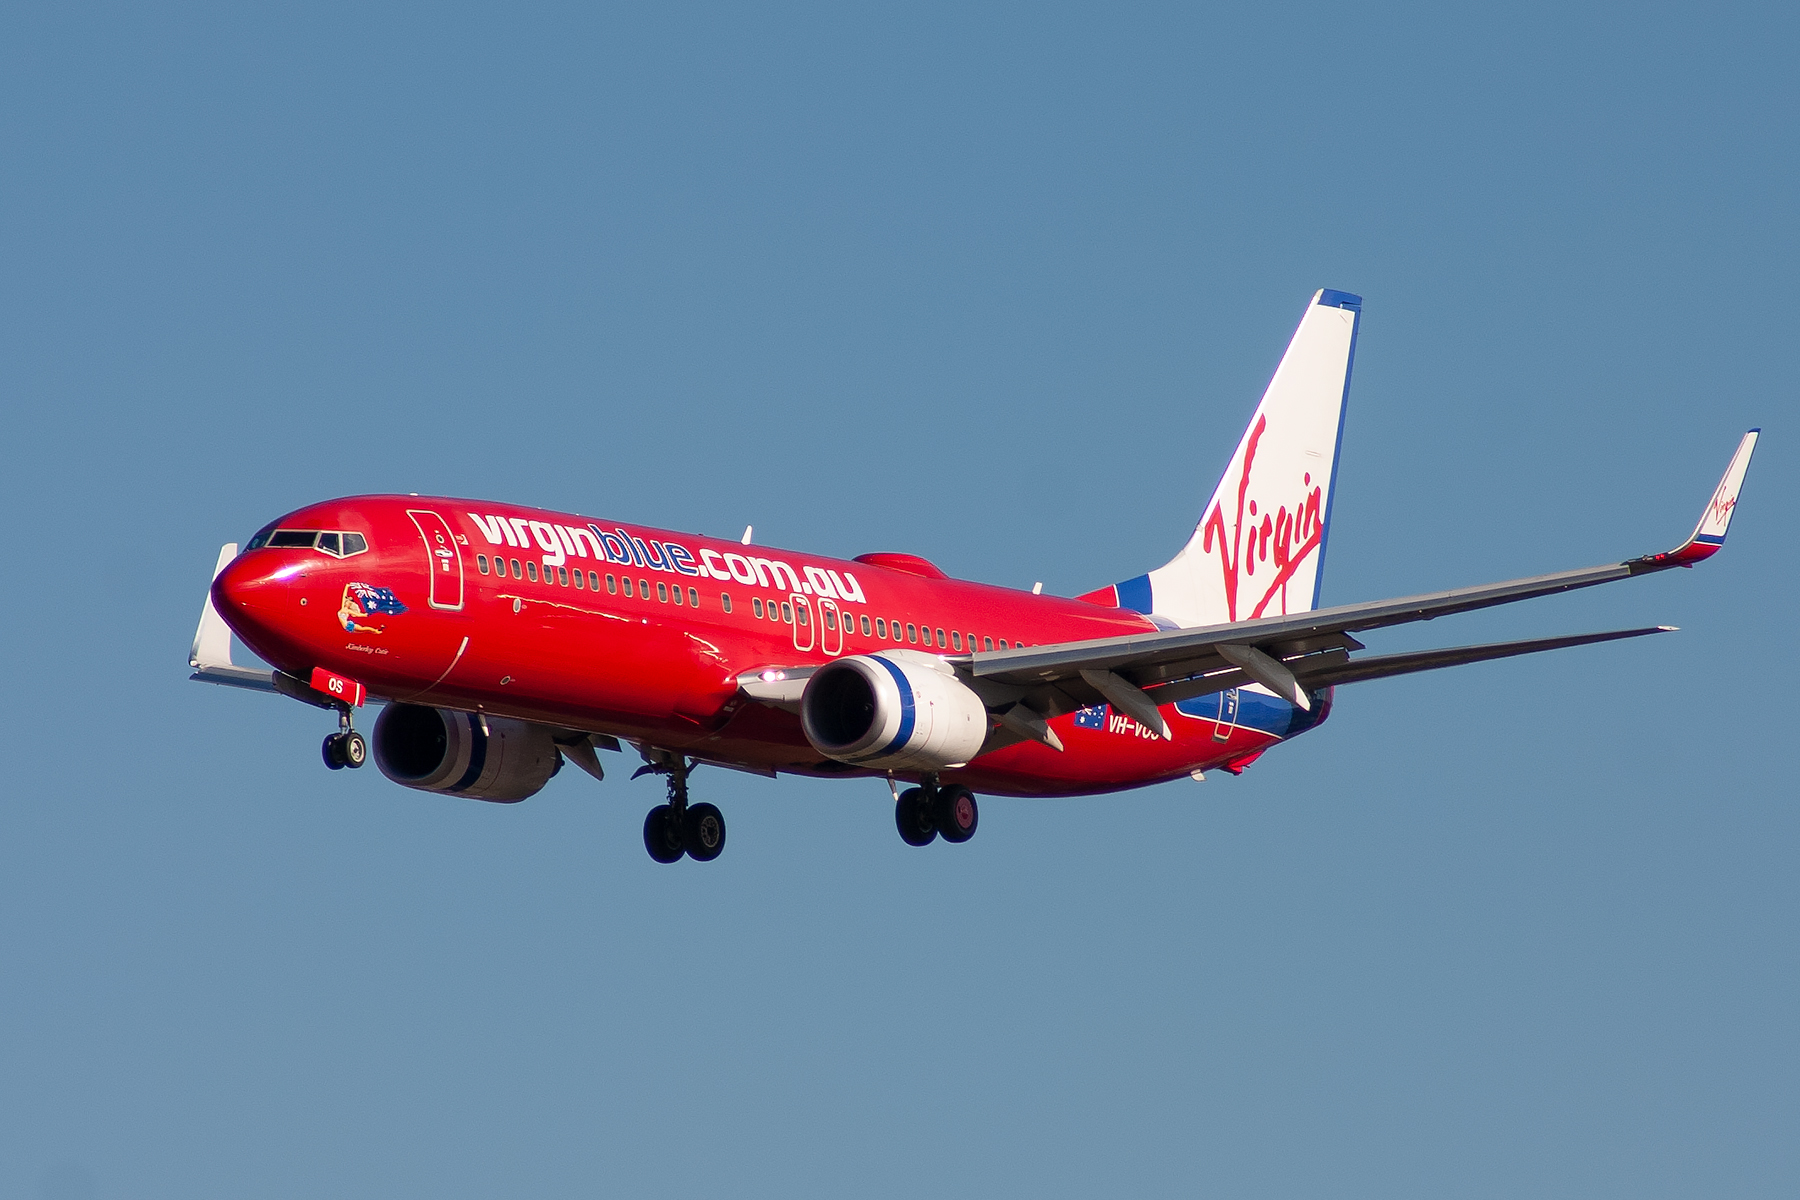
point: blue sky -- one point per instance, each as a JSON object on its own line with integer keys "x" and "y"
{"x": 999, "y": 286}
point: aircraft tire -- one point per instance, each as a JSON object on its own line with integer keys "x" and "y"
{"x": 661, "y": 839}
{"x": 332, "y": 751}
{"x": 703, "y": 832}
{"x": 955, "y": 814}
{"x": 912, "y": 817}
{"x": 354, "y": 749}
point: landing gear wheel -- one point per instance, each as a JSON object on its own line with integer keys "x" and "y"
{"x": 955, "y": 814}
{"x": 703, "y": 832}
{"x": 354, "y": 749}
{"x": 333, "y": 752}
{"x": 662, "y": 836}
{"x": 912, "y": 816}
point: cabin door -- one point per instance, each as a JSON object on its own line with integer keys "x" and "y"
{"x": 803, "y": 623}
{"x": 444, "y": 557}
{"x": 1228, "y": 711}
{"x": 831, "y": 627}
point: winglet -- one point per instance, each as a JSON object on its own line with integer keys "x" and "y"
{"x": 211, "y": 655}
{"x": 212, "y": 641}
{"x": 1709, "y": 534}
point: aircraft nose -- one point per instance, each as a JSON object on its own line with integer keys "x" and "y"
{"x": 250, "y": 586}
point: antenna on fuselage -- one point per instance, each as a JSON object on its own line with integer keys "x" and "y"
{"x": 1037, "y": 589}
{"x": 747, "y": 531}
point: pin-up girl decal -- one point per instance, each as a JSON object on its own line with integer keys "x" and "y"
{"x": 362, "y": 601}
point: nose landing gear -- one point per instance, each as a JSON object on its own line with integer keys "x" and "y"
{"x": 677, "y": 828}
{"x": 346, "y": 747}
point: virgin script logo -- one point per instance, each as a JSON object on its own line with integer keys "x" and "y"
{"x": 1284, "y": 538}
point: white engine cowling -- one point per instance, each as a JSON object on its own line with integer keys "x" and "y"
{"x": 464, "y": 754}
{"x": 897, "y": 710}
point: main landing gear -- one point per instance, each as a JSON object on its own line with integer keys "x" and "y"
{"x": 923, "y": 813}
{"x": 677, "y": 828}
{"x": 346, "y": 747}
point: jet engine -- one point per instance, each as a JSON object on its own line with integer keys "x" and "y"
{"x": 898, "y": 710}
{"x": 464, "y": 754}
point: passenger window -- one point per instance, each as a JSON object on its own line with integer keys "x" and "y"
{"x": 562, "y": 576}
{"x": 612, "y": 585}
{"x": 694, "y": 597}
{"x": 677, "y": 592}
{"x": 880, "y": 627}
{"x": 756, "y": 605}
{"x": 354, "y": 543}
{"x": 292, "y": 539}
{"x": 787, "y": 612}
{"x": 1003, "y": 643}
{"x": 517, "y": 573}
{"x": 593, "y": 581}
{"x": 328, "y": 542}
{"x": 531, "y": 569}
{"x": 865, "y": 625}
{"x": 830, "y": 619}
{"x": 955, "y": 640}
{"x": 578, "y": 581}
{"x": 481, "y": 563}
{"x": 912, "y": 632}
{"x": 662, "y": 591}
{"x": 800, "y": 612}
{"x": 628, "y": 585}
{"x": 725, "y": 601}
{"x": 644, "y": 588}
{"x": 940, "y": 639}
{"x": 987, "y": 643}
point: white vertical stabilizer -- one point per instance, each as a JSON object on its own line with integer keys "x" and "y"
{"x": 1260, "y": 544}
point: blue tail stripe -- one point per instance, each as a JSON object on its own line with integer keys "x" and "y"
{"x": 1135, "y": 595}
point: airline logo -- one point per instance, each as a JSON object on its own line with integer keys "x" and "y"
{"x": 559, "y": 544}
{"x": 1280, "y": 541}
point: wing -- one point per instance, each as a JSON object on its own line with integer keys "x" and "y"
{"x": 211, "y": 655}
{"x": 1295, "y": 655}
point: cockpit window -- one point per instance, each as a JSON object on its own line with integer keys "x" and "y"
{"x": 333, "y": 542}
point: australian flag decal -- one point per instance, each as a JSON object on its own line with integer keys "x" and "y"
{"x": 1093, "y": 717}
{"x": 377, "y": 599}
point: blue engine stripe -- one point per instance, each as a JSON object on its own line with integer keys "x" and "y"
{"x": 477, "y": 751}
{"x": 908, "y": 715}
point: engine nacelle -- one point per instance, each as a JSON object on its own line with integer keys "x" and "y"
{"x": 897, "y": 710}
{"x": 464, "y": 754}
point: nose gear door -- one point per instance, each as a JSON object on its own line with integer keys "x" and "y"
{"x": 445, "y": 559}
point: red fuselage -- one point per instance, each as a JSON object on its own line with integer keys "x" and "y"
{"x": 643, "y": 634}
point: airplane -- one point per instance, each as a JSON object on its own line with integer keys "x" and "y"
{"x": 505, "y": 641}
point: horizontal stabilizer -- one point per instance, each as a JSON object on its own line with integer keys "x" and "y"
{"x": 1388, "y": 665}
